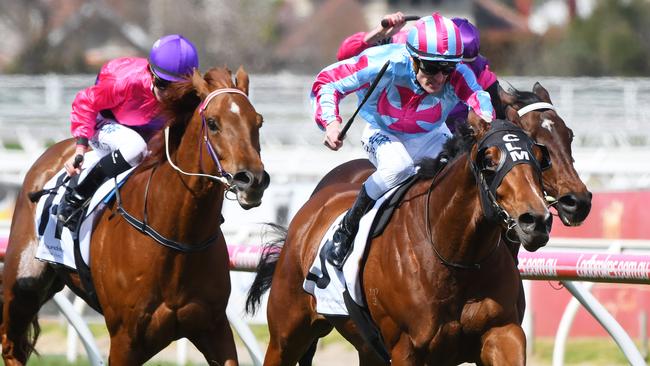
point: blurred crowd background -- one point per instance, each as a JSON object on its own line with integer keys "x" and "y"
{"x": 519, "y": 37}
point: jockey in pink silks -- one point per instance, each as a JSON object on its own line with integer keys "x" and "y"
{"x": 119, "y": 113}
{"x": 406, "y": 113}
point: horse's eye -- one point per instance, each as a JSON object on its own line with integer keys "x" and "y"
{"x": 212, "y": 124}
{"x": 488, "y": 163}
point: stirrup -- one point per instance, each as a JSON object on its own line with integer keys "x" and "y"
{"x": 70, "y": 210}
{"x": 334, "y": 252}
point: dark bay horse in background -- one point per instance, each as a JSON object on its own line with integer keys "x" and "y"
{"x": 567, "y": 193}
{"x": 424, "y": 288}
{"x": 151, "y": 294}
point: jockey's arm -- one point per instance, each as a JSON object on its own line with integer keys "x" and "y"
{"x": 470, "y": 92}
{"x": 359, "y": 42}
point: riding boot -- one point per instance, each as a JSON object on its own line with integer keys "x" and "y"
{"x": 74, "y": 198}
{"x": 339, "y": 249}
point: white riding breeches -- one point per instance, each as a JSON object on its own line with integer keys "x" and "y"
{"x": 112, "y": 136}
{"x": 395, "y": 158}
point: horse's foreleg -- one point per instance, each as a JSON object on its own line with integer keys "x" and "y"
{"x": 504, "y": 346}
{"x": 217, "y": 346}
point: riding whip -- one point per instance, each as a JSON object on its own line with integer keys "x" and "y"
{"x": 384, "y": 22}
{"x": 365, "y": 98}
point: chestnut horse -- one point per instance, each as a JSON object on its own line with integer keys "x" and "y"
{"x": 567, "y": 193}
{"x": 151, "y": 294}
{"x": 437, "y": 284}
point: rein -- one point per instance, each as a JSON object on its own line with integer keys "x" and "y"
{"x": 473, "y": 266}
{"x": 223, "y": 177}
{"x": 145, "y": 228}
{"x": 491, "y": 208}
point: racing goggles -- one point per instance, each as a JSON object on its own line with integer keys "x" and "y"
{"x": 434, "y": 67}
{"x": 159, "y": 83}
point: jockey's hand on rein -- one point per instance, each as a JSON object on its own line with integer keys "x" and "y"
{"x": 73, "y": 165}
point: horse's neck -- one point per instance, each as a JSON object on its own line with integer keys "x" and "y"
{"x": 192, "y": 204}
{"x": 459, "y": 228}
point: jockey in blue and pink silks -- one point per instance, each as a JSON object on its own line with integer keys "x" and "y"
{"x": 406, "y": 113}
{"x": 119, "y": 113}
{"x": 393, "y": 33}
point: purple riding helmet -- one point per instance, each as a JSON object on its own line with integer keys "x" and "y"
{"x": 471, "y": 38}
{"x": 173, "y": 57}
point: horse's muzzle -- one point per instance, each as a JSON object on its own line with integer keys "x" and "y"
{"x": 533, "y": 230}
{"x": 573, "y": 208}
{"x": 250, "y": 188}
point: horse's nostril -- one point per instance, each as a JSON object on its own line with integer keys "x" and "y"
{"x": 243, "y": 179}
{"x": 530, "y": 222}
{"x": 569, "y": 200}
{"x": 526, "y": 219}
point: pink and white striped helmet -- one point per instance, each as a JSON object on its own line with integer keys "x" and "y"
{"x": 435, "y": 38}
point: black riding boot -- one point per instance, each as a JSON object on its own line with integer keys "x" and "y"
{"x": 339, "y": 249}
{"x": 70, "y": 206}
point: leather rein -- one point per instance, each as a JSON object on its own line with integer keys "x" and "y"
{"x": 488, "y": 202}
{"x": 224, "y": 177}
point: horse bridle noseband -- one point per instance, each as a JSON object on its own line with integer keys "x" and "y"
{"x": 487, "y": 187}
{"x": 223, "y": 177}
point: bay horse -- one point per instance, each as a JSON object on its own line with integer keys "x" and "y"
{"x": 152, "y": 294}
{"x": 564, "y": 188}
{"x": 437, "y": 284}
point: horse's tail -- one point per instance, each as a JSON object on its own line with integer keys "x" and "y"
{"x": 28, "y": 344}
{"x": 266, "y": 268}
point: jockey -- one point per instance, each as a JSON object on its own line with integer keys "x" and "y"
{"x": 422, "y": 84}
{"x": 393, "y": 33}
{"x": 119, "y": 113}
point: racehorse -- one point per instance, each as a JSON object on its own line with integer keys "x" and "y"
{"x": 566, "y": 191}
{"x": 436, "y": 283}
{"x": 152, "y": 294}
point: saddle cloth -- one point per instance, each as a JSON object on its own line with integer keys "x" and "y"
{"x": 56, "y": 242}
{"x": 326, "y": 283}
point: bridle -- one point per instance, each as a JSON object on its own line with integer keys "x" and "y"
{"x": 552, "y": 201}
{"x": 223, "y": 177}
{"x": 535, "y": 107}
{"x": 487, "y": 188}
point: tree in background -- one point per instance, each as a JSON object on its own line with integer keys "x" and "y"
{"x": 613, "y": 41}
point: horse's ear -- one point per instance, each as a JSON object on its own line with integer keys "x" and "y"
{"x": 478, "y": 124}
{"x": 200, "y": 85}
{"x": 512, "y": 115}
{"x": 506, "y": 98}
{"x": 541, "y": 92}
{"x": 241, "y": 79}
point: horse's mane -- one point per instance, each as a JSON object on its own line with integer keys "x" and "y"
{"x": 459, "y": 143}
{"x": 177, "y": 108}
{"x": 524, "y": 97}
